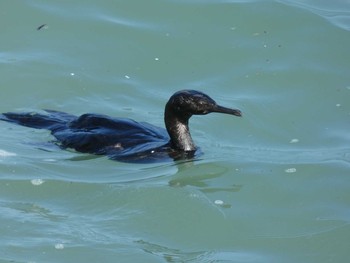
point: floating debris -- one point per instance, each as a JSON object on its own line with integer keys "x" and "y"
{"x": 43, "y": 26}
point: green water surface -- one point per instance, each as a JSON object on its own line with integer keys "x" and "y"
{"x": 272, "y": 186}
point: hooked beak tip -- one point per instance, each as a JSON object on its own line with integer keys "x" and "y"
{"x": 235, "y": 112}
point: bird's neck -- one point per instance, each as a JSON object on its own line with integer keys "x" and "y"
{"x": 177, "y": 127}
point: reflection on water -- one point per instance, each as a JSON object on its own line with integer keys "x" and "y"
{"x": 337, "y": 12}
{"x": 177, "y": 255}
{"x": 200, "y": 175}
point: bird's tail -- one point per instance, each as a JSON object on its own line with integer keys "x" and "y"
{"x": 51, "y": 121}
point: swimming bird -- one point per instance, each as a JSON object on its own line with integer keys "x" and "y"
{"x": 124, "y": 139}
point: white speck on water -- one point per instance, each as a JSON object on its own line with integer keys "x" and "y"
{"x": 338, "y": 105}
{"x": 152, "y": 151}
{"x": 294, "y": 140}
{"x": 290, "y": 170}
{"x": 156, "y": 59}
{"x": 37, "y": 182}
{"x": 50, "y": 160}
{"x": 219, "y": 202}
{"x": 4, "y": 153}
{"x": 59, "y": 246}
{"x": 194, "y": 195}
{"x": 72, "y": 74}
{"x": 127, "y": 77}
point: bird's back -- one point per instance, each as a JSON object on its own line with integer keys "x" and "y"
{"x": 94, "y": 133}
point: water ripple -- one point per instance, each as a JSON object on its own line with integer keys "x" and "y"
{"x": 337, "y": 12}
{"x": 298, "y": 156}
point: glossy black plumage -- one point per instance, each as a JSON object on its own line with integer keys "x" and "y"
{"x": 125, "y": 139}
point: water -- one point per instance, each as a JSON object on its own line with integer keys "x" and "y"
{"x": 272, "y": 186}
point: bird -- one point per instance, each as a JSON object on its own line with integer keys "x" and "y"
{"x": 124, "y": 139}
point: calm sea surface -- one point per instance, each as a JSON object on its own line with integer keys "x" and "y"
{"x": 272, "y": 186}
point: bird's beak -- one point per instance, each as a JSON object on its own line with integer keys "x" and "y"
{"x": 225, "y": 110}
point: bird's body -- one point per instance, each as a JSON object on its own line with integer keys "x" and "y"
{"x": 125, "y": 139}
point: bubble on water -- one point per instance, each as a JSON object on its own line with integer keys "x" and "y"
{"x": 59, "y": 246}
{"x": 37, "y": 182}
{"x": 294, "y": 140}
{"x": 219, "y": 202}
{"x": 290, "y": 170}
